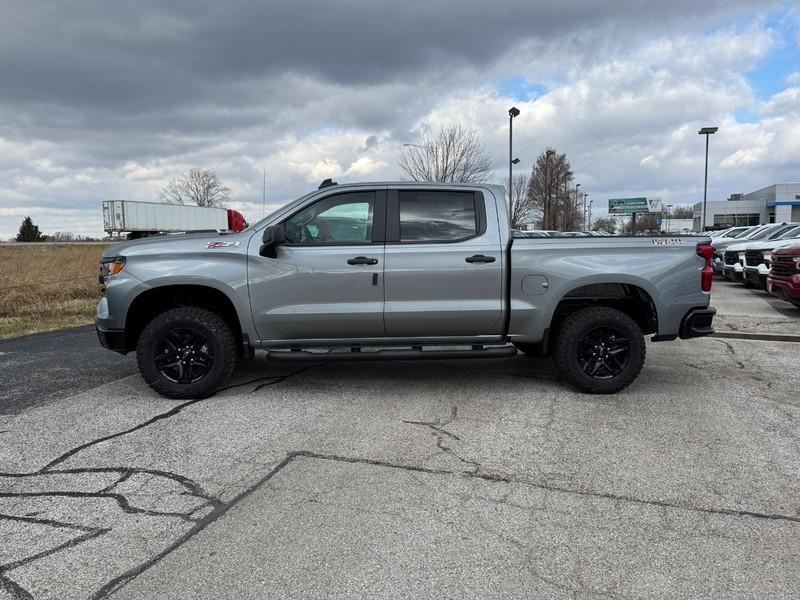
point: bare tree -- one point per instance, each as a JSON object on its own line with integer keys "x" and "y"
{"x": 681, "y": 212}
{"x": 197, "y": 186}
{"x": 452, "y": 154}
{"x": 550, "y": 194}
{"x": 521, "y": 210}
{"x": 607, "y": 224}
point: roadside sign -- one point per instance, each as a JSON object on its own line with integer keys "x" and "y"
{"x": 628, "y": 206}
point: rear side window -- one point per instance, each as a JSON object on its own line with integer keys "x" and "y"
{"x": 437, "y": 216}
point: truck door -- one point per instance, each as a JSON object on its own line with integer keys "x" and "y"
{"x": 327, "y": 280}
{"x": 444, "y": 264}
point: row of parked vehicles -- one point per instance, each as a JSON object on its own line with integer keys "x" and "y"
{"x": 765, "y": 256}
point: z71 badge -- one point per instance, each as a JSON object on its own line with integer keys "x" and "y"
{"x": 222, "y": 244}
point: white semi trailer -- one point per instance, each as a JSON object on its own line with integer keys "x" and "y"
{"x": 140, "y": 219}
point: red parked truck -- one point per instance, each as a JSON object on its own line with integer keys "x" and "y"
{"x": 784, "y": 277}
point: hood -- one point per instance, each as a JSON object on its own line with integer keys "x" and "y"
{"x": 771, "y": 244}
{"x": 793, "y": 249}
{"x": 168, "y": 243}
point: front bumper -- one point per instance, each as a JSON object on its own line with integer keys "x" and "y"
{"x": 698, "y": 322}
{"x": 754, "y": 276}
{"x": 786, "y": 288}
{"x": 113, "y": 339}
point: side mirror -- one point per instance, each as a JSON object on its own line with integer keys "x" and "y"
{"x": 274, "y": 236}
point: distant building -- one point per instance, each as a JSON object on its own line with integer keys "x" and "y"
{"x": 775, "y": 203}
{"x": 669, "y": 225}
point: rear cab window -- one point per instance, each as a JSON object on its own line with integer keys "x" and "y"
{"x": 436, "y": 216}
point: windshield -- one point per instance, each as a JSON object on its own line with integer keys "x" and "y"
{"x": 742, "y": 233}
{"x": 777, "y": 233}
{"x": 789, "y": 233}
{"x": 761, "y": 233}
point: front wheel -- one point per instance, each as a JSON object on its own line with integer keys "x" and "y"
{"x": 599, "y": 350}
{"x": 186, "y": 352}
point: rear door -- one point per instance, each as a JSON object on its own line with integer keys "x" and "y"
{"x": 443, "y": 271}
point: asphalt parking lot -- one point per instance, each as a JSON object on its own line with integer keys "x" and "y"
{"x": 472, "y": 479}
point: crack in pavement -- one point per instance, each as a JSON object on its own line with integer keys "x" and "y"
{"x": 438, "y": 425}
{"x": 17, "y": 591}
{"x": 220, "y": 511}
{"x": 87, "y": 533}
{"x": 193, "y": 488}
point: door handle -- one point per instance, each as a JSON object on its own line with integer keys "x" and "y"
{"x": 362, "y": 260}
{"x": 480, "y": 258}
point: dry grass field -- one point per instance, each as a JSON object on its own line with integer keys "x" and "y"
{"x": 47, "y": 286}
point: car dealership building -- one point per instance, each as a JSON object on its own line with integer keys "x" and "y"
{"x": 773, "y": 204}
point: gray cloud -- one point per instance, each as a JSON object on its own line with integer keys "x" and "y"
{"x": 107, "y": 99}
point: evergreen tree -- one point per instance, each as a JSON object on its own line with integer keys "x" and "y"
{"x": 28, "y": 232}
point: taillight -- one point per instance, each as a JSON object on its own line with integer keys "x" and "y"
{"x": 706, "y": 251}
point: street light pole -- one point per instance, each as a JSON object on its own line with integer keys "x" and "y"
{"x": 586, "y": 226}
{"x": 669, "y": 214}
{"x": 512, "y": 112}
{"x": 577, "y": 190}
{"x": 548, "y": 205}
{"x": 706, "y": 131}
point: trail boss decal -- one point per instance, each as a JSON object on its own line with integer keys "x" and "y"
{"x": 222, "y": 244}
{"x": 667, "y": 242}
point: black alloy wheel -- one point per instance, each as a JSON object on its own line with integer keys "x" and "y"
{"x": 184, "y": 355}
{"x": 603, "y": 353}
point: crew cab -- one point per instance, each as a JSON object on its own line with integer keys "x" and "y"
{"x": 398, "y": 271}
{"x": 784, "y": 277}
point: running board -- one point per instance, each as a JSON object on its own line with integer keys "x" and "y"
{"x": 416, "y": 353}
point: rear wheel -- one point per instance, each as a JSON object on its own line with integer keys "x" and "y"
{"x": 599, "y": 350}
{"x": 186, "y": 353}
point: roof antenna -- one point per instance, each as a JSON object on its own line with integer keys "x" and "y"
{"x": 327, "y": 183}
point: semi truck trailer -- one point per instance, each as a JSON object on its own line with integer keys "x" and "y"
{"x": 143, "y": 219}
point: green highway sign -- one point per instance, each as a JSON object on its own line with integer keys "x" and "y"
{"x": 628, "y": 206}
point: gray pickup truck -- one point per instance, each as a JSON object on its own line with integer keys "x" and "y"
{"x": 398, "y": 271}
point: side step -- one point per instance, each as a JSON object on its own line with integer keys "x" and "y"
{"x": 416, "y": 353}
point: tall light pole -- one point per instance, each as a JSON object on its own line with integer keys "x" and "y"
{"x": 590, "y": 212}
{"x": 577, "y": 189}
{"x": 547, "y": 202}
{"x": 706, "y": 131}
{"x": 669, "y": 213}
{"x": 512, "y": 112}
{"x": 586, "y": 226}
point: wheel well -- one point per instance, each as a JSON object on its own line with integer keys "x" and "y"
{"x": 630, "y": 299}
{"x": 147, "y": 305}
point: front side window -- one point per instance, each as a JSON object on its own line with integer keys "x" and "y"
{"x": 340, "y": 219}
{"x": 437, "y": 216}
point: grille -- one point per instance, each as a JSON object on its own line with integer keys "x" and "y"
{"x": 753, "y": 258}
{"x": 783, "y": 266}
{"x": 731, "y": 258}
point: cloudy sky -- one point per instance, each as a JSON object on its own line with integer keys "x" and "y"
{"x": 103, "y": 100}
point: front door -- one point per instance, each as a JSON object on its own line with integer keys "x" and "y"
{"x": 327, "y": 280}
{"x": 444, "y": 265}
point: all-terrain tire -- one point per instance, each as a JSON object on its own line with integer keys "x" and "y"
{"x": 221, "y": 347}
{"x": 582, "y": 325}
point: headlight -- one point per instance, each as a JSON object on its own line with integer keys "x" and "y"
{"x": 111, "y": 265}
{"x": 741, "y": 257}
{"x": 768, "y": 256}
